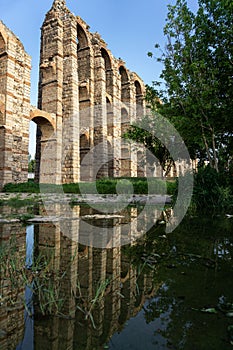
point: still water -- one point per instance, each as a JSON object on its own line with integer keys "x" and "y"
{"x": 163, "y": 291}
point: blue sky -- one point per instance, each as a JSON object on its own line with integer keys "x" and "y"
{"x": 130, "y": 27}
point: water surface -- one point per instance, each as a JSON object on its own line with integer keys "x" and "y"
{"x": 163, "y": 291}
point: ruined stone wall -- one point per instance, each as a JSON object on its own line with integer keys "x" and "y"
{"x": 15, "y": 67}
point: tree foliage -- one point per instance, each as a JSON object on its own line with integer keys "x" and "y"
{"x": 146, "y": 131}
{"x": 198, "y": 76}
{"x": 31, "y": 165}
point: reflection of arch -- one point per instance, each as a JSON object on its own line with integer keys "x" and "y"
{"x": 139, "y": 297}
{"x": 125, "y": 290}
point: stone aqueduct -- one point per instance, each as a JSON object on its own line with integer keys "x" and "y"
{"x": 86, "y": 100}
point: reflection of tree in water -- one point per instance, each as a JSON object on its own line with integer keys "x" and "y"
{"x": 193, "y": 268}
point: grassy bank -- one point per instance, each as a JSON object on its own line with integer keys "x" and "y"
{"x": 102, "y": 186}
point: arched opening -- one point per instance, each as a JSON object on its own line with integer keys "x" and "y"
{"x": 106, "y": 58}
{"x": 32, "y": 150}
{"x": 45, "y": 155}
{"x": 85, "y": 166}
{"x": 138, "y": 88}
{"x": 124, "y": 121}
{"x": 140, "y": 164}
{"x": 82, "y": 38}
{"x": 125, "y": 93}
{"x": 110, "y": 160}
{"x": 108, "y": 72}
{"x": 109, "y": 118}
{"x": 125, "y": 161}
{"x": 83, "y": 54}
{"x": 139, "y": 100}
{"x": 83, "y": 93}
{"x": 125, "y": 289}
{"x": 2, "y": 109}
{"x": 125, "y": 147}
{"x": 84, "y": 107}
{"x": 84, "y": 74}
{"x": 84, "y": 142}
{"x": 2, "y": 44}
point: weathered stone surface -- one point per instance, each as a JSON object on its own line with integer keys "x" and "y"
{"x": 15, "y": 67}
{"x": 87, "y": 99}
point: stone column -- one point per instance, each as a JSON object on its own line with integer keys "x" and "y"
{"x": 70, "y": 125}
{"x": 100, "y": 118}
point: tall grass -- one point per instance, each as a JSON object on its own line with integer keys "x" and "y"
{"x": 46, "y": 282}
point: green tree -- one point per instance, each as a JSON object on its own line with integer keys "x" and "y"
{"x": 145, "y": 131}
{"x": 31, "y": 164}
{"x": 198, "y": 76}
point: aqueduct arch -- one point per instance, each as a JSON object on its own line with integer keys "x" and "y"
{"x": 81, "y": 87}
{"x": 47, "y": 160}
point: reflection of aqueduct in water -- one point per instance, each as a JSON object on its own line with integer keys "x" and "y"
{"x": 86, "y": 98}
{"x": 86, "y": 267}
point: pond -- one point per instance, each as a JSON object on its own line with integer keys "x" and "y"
{"x": 161, "y": 291}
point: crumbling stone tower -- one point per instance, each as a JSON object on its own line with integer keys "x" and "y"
{"x": 15, "y": 67}
{"x": 93, "y": 95}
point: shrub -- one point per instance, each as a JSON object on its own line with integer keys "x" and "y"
{"x": 210, "y": 192}
{"x": 30, "y": 187}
